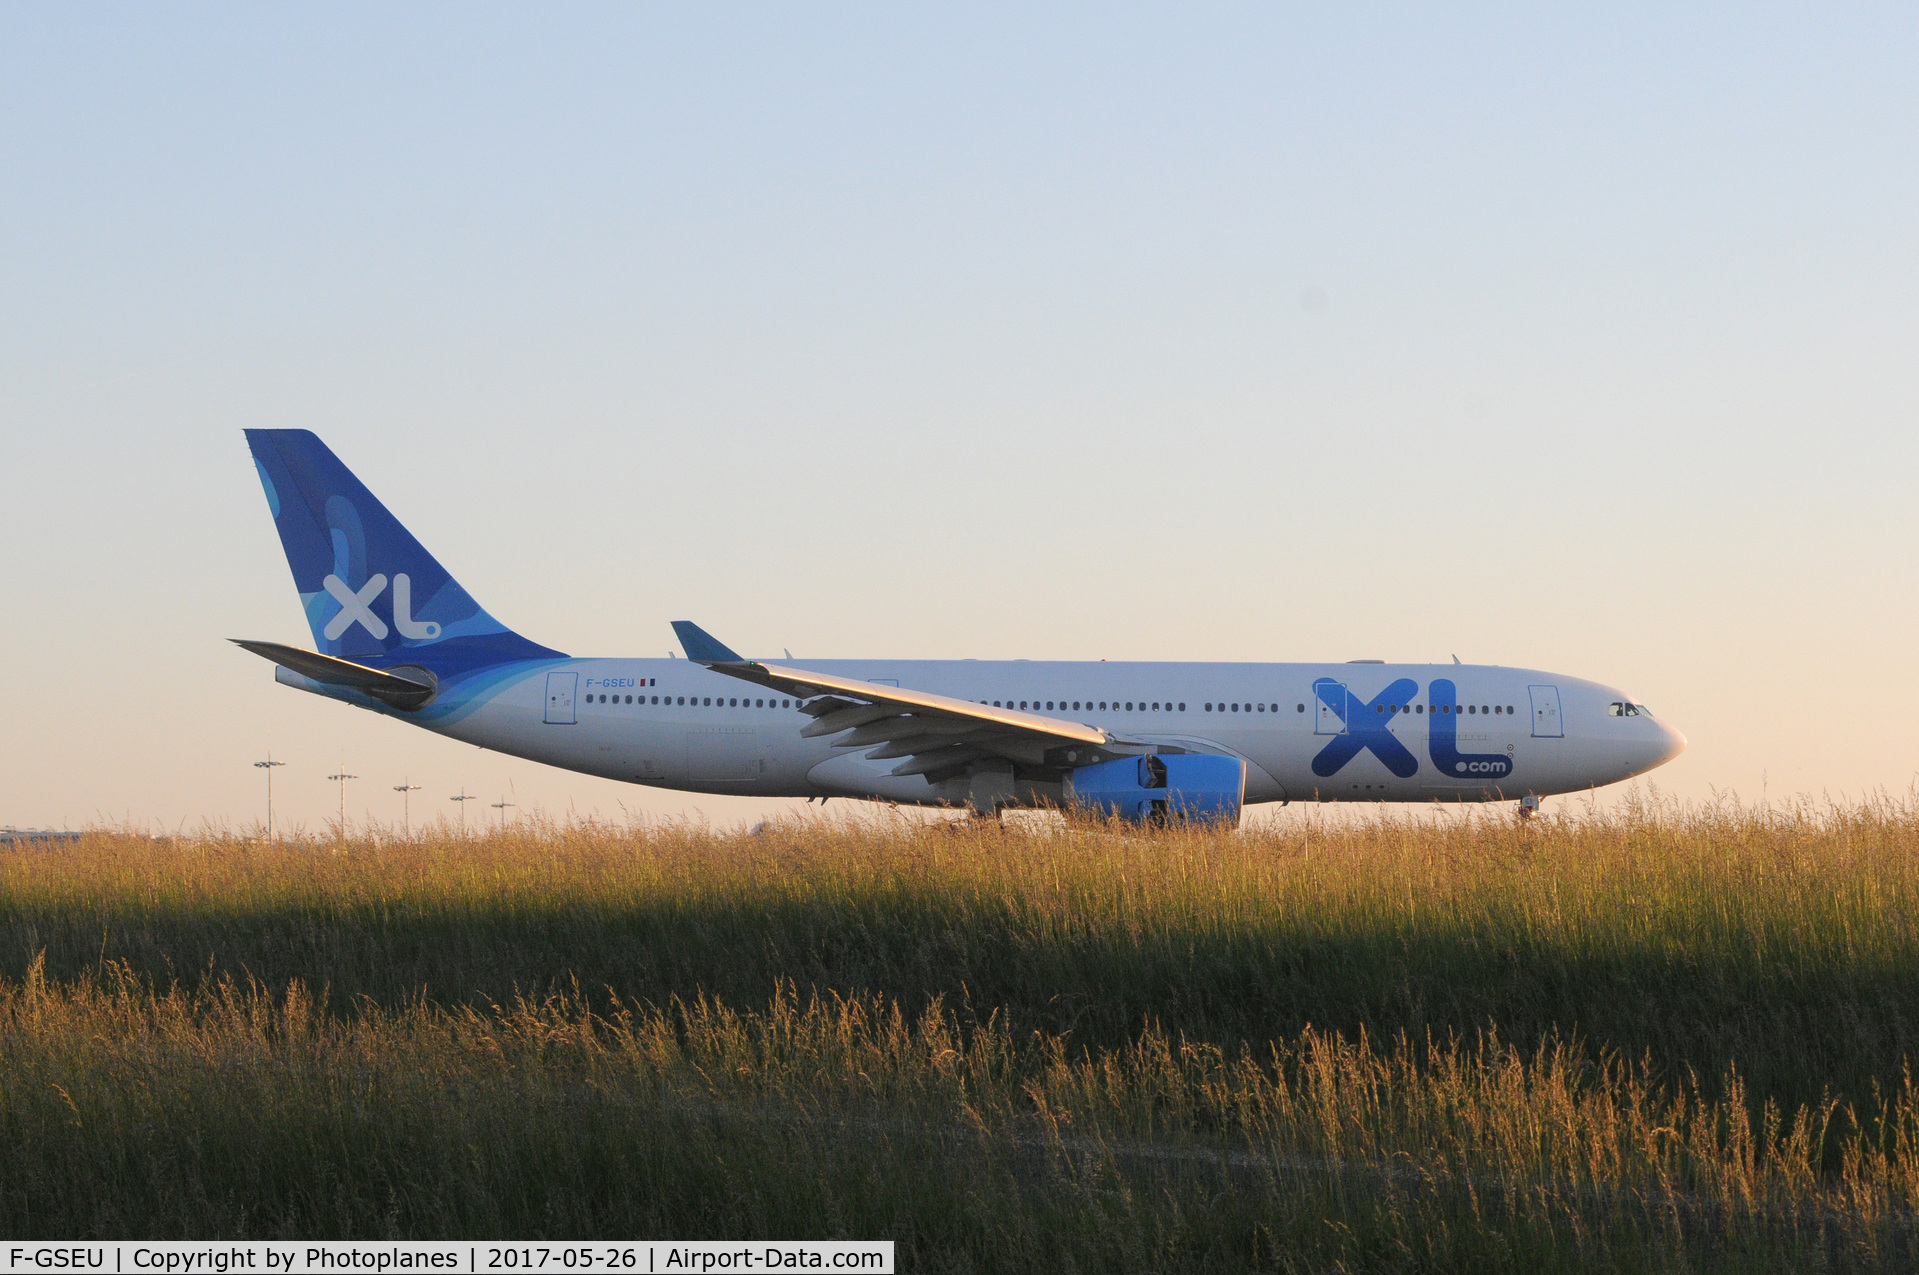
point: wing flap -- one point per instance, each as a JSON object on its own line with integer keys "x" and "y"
{"x": 851, "y": 718}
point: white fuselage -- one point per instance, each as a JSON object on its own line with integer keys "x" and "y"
{"x": 1505, "y": 733}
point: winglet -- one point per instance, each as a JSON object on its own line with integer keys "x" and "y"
{"x": 703, "y": 646}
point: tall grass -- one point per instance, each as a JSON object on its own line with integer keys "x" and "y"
{"x": 1664, "y": 1038}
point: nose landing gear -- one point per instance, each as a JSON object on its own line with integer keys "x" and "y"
{"x": 1528, "y": 807}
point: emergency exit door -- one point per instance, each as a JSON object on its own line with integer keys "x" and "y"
{"x": 1329, "y": 707}
{"x": 560, "y": 691}
{"x": 1546, "y": 724}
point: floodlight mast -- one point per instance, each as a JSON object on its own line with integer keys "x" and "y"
{"x": 342, "y": 777}
{"x": 268, "y": 766}
{"x": 463, "y": 797}
{"x": 502, "y": 805}
{"x": 405, "y": 787}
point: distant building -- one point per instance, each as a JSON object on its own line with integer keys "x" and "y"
{"x": 36, "y": 837}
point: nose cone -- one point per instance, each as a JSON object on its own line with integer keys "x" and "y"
{"x": 1669, "y": 745}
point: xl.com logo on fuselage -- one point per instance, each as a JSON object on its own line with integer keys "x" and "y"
{"x": 1367, "y": 728}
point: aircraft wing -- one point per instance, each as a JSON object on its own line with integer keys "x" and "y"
{"x": 934, "y": 735}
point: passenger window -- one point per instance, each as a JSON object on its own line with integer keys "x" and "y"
{"x": 1182, "y": 706}
{"x": 1302, "y": 708}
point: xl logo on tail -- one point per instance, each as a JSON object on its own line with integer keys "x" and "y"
{"x": 357, "y": 608}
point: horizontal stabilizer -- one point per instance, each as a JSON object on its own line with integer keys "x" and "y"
{"x": 407, "y": 689}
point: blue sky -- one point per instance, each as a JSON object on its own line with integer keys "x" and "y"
{"x": 1573, "y": 341}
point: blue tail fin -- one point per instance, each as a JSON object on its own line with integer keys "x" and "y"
{"x": 371, "y": 592}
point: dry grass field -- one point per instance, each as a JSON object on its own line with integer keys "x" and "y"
{"x": 1664, "y": 1039}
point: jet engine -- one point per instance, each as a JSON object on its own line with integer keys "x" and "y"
{"x": 1161, "y": 787}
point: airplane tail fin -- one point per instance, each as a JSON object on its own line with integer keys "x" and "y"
{"x": 371, "y": 592}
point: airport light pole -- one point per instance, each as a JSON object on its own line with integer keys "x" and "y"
{"x": 463, "y": 797}
{"x": 268, "y": 766}
{"x": 343, "y": 777}
{"x": 406, "y": 804}
{"x": 501, "y": 805}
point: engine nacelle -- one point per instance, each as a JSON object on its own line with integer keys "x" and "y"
{"x": 1161, "y": 787}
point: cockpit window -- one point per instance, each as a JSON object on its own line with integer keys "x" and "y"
{"x": 1619, "y": 708}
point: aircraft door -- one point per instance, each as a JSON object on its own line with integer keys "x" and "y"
{"x": 560, "y": 692}
{"x": 1329, "y": 707}
{"x": 1546, "y": 724}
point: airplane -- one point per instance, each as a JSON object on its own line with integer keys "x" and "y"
{"x": 1143, "y": 742}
